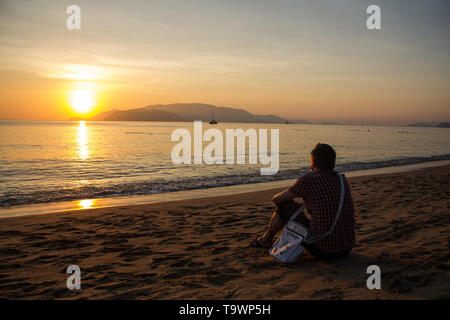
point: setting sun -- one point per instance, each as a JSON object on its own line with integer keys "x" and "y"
{"x": 82, "y": 101}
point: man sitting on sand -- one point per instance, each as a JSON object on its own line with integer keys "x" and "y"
{"x": 320, "y": 191}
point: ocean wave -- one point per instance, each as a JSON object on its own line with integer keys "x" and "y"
{"x": 167, "y": 185}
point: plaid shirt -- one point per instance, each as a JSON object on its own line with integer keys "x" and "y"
{"x": 321, "y": 192}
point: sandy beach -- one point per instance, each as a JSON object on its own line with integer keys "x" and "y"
{"x": 199, "y": 248}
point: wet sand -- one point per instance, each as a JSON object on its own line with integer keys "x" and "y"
{"x": 198, "y": 248}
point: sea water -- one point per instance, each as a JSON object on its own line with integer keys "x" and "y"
{"x": 50, "y": 161}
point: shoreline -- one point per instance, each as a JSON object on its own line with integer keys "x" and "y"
{"x": 110, "y": 202}
{"x": 199, "y": 248}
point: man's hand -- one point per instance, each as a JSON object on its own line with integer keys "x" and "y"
{"x": 286, "y": 195}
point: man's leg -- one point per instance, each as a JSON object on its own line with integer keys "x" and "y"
{"x": 275, "y": 225}
{"x": 279, "y": 219}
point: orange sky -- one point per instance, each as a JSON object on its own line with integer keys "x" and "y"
{"x": 299, "y": 60}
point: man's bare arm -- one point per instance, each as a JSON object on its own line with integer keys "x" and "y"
{"x": 285, "y": 195}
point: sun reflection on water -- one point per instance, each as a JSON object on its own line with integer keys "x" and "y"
{"x": 86, "y": 204}
{"x": 83, "y": 147}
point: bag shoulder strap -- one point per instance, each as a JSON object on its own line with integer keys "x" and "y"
{"x": 338, "y": 214}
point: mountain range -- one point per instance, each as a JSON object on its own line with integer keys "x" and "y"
{"x": 188, "y": 112}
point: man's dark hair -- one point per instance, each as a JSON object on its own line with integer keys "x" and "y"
{"x": 324, "y": 156}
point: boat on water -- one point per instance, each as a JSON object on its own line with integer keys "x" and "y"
{"x": 212, "y": 118}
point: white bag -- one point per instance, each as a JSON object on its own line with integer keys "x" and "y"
{"x": 288, "y": 247}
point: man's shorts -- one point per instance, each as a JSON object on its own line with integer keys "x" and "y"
{"x": 286, "y": 209}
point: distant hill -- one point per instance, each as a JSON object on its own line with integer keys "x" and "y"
{"x": 200, "y": 111}
{"x": 103, "y": 115}
{"x": 142, "y": 115}
{"x": 300, "y": 121}
{"x": 330, "y": 123}
{"x": 186, "y": 112}
{"x": 423, "y": 124}
{"x": 430, "y": 124}
{"x": 444, "y": 125}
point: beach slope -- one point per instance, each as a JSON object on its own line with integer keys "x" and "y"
{"x": 199, "y": 248}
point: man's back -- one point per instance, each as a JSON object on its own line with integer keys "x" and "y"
{"x": 320, "y": 191}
